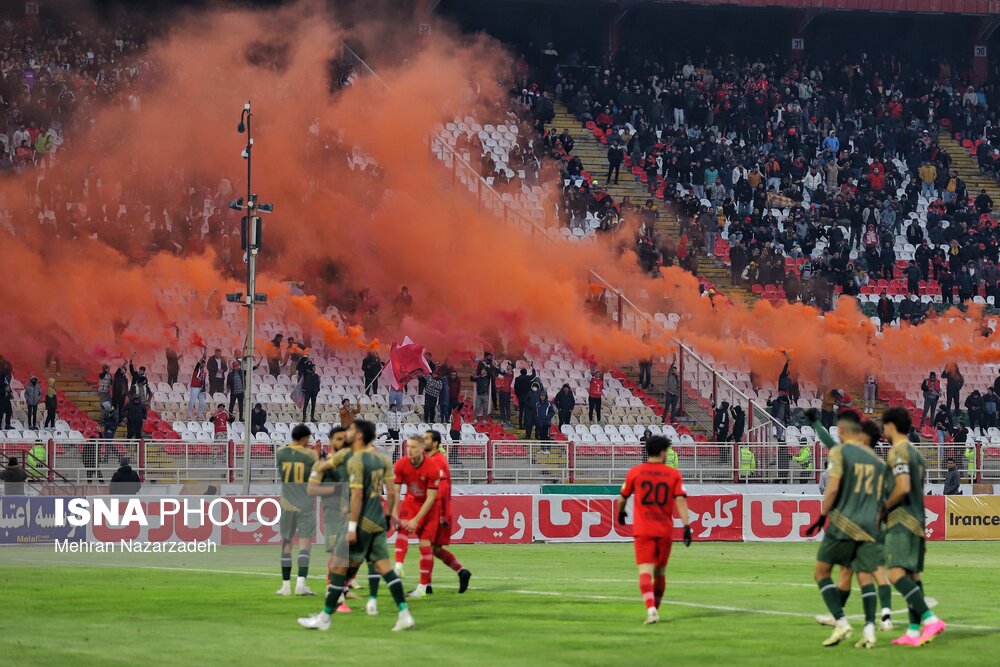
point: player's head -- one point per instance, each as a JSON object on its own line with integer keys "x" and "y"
{"x": 657, "y": 445}
{"x": 338, "y": 438}
{"x": 872, "y": 433}
{"x": 301, "y": 435}
{"x": 415, "y": 449}
{"x": 896, "y": 423}
{"x": 849, "y": 426}
{"x": 360, "y": 432}
{"x": 432, "y": 440}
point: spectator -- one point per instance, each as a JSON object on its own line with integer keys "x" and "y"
{"x": 135, "y": 415}
{"x": 952, "y": 481}
{"x": 371, "y": 366}
{"x": 482, "y": 398}
{"x": 565, "y": 402}
{"x": 393, "y": 422}
{"x": 451, "y": 391}
{"x": 119, "y": 389}
{"x": 504, "y": 382}
{"x": 310, "y": 391}
{"x": 931, "y": 388}
{"x": 943, "y": 424}
{"x": 984, "y": 203}
{"x": 455, "y": 430}
{"x": 595, "y": 394}
{"x": 432, "y": 391}
{"x": 51, "y": 403}
{"x": 237, "y": 391}
{"x": 198, "y": 382}
{"x": 616, "y": 155}
{"x": 974, "y": 406}
{"x": 173, "y": 366}
{"x": 140, "y": 383}
{"x": 544, "y": 413}
{"x": 32, "y": 397}
{"x": 274, "y": 356}
{"x": 871, "y": 392}
{"x": 14, "y": 477}
{"x": 125, "y": 481}
{"x": 403, "y": 303}
{"x": 6, "y": 398}
{"x": 349, "y": 413}
{"x": 739, "y": 424}
{"x": 220, "y": 423}
{"x": 953, "y": 385}
{"x": 422, "y": 380}
{"x": 990, "y": 402}
{"x": 521, "y": 385}
{"x": 258, "y": 420}
{"x": 217, "y": 368}
{"x": 720, "y": 422}
{"x": 672, "y": 393}
{"x": 104, "y": 384}
{"x": 886, "y": 310}
{"x": 645, "y": 368}
{"x": 829, "y": 406}
{"x": 110, "y": 420}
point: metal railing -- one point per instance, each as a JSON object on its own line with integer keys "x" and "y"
{"x": 497, "y": 461}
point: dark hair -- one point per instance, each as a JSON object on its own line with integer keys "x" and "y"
{"x": 435, "y": 436}
{"x": 874, "y": 433}
{"x": 300, "y": 431}
{"x": 656, "y": 445}
{"x": 899, "y": 418}
{"x": 366, "y": 429}
{"x": 335, "y": 430}
{"x": 849, "y": 415}
{"x": 951, "y": 460}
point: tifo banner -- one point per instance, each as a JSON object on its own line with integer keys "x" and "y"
{"x": 972, "y": 517}
{"x": 25, "y": 520}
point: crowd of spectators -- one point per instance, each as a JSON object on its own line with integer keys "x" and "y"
{"x": 807, "y": 176}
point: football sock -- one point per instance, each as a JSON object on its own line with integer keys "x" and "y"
{"x": 402, "y": 544}
{"x": 885, "y": 596}
{"x": 373, "y": 581}
{"x": 286, "y": 567}
{"x": 831, "y": 596}
{"x": 448, "y": 559}
{"x": 396, "y": 588}
{"x": 869, "y": 600}
{"x": 334, "y": 591}
{"x": 913, "y": 595}
{"x": 426, "y": 564}
{"x": 928, "y": 616}
{"x": 843, "y": 596}
{"x": 646, "y": 588}
{"x": 659, "y": 585}
{"x": 303, "y": 565}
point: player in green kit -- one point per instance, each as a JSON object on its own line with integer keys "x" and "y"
{"x": 904, "y": 536}
{"x": 369, "y": 472}
{"x": 852, "y": 502}
{"x": 298, "y": 513}
{"x": 330, "y": 484}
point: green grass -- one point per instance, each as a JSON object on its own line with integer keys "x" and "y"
{"x": 538, "y": 604}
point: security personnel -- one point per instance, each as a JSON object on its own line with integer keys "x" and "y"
{"x": 748, "y": 462}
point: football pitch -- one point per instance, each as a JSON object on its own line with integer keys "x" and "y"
{"x": 536, "y": 604}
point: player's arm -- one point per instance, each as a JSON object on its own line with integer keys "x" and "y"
{"x": 623, "y": 497}
{"x": 901, "y": 482}
{"x": 812, "y": 415}
{"x": 830, "y": 495}
{"x": 316, "y": 487}
{"x": 356, "y": 472}
{"x": 391, "y": 491}
{"x": 411, "y": 525}
{"x": 835, "y": 470}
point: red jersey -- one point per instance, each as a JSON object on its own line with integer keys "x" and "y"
{"x": 440, "y": 459}
{"x": 418, "y": 479}
{"x": 655, "y": 485}
{"x": 596, "y": 387}
{"x": 220, "y": 419}
{"x": 504, "y": 382}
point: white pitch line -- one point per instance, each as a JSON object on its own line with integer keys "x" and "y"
{"x": 578, "y": 596}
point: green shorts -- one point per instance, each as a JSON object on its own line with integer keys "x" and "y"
{"x": 904, "y": 549}
{"x": 336, "y": 539}
{"x": 869, "y": 557}
{"x": 859, "y": 556}
{"x": 369, "y": 547}
{"x": 302, "y": 523}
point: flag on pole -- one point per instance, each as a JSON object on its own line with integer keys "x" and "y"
{"x": 406, "y": 359}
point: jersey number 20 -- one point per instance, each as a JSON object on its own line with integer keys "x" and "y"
{"x": 654, "y": 494}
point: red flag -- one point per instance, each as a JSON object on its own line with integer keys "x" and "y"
{"x": 405, "y": 360}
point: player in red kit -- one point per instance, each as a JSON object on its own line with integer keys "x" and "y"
{"x": 658, "y": 488}
{"x": 436, "y": 454}
{"x": 420, "y": 512}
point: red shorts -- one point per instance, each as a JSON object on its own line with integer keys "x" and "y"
{"x": 655, "y": 550}
{"x": 428, "y": 527}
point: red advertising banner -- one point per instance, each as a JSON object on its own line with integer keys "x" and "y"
{"x": 777, "y": 518}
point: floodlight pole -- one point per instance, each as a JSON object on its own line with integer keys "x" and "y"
{"x": 251, "y": 302}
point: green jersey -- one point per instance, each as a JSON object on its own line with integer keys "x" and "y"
{"x": 294, "y": 465}
{"x": 336, "y": 506}
{"x": 368, "y": 470}
{"x": 904, "y": 459}
{"x": 855, "y": 515}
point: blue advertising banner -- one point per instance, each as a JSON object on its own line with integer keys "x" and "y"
{"x": 31, "y": 520}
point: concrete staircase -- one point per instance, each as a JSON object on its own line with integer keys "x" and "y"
{"x": 968, "y": 168}
{"x": 594, "y": 156}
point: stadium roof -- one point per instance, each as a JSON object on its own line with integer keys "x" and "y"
{"x": 966, "y": 7}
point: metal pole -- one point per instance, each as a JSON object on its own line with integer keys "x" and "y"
{"x": 250, "y": 303}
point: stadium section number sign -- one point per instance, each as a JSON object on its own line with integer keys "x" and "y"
{"x": 798, "y": 44}
{"x": 979, "y": 51}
